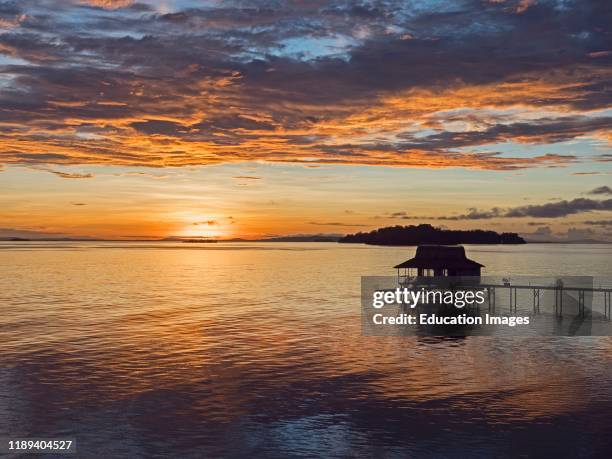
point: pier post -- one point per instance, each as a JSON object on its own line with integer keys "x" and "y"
{"x": 515, "y": 299}
{"x": 536, "y": 300}
{"x": 559, "y": 301}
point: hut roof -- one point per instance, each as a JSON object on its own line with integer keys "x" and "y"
{"x": 439, "y": 257}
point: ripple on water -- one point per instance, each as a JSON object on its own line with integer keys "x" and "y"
{"x": 236, "y": 351}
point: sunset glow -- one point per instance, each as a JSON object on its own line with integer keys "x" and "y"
{"x": 125, "y": 119}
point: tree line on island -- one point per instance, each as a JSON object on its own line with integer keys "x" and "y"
{"x": 428, "y": 234}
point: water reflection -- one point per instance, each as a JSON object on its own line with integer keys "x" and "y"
{"x": 195, "y": 353}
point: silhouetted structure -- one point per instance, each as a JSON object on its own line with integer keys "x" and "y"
{"x": 427, "y": 234}
{"x": 439, "y": 261}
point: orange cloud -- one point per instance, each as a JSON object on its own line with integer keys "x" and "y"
{"x": 179, "y": 133}
{"x": 171, "y": 94}
{"x": 108, "y": 4}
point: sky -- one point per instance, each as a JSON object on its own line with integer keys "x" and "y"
{"x": 223, "y": 119}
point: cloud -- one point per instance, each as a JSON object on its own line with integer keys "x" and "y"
{"x": 598, "y": 222}
{"x": 601, "y": 190}
{"x": 62, "y": 174}
{"x": 69, "y": 175}
{"x": 144, "y": 174}
{"x": 382, "y": 84}
{"x": 159, "y": 127}
{"x": 543, "y": 233}
{"x": 540, "y": 131}
{"x": 336, "y": 224}
{"x": 108, "y": 4}
{"x": 207, "y": 222}
{"x": 475, "y": 214}
{"x": 556, "y": 209}
{"x": 405, "y": 216}
{"x": 79, "y": 204}
{"x": 247, "y": 177}
{"x": 559, "y": 208}
{"x": 578, "y": 234}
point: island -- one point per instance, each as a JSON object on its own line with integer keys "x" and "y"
{"x": 428, "y": 234}
{"x": 294, "y": 238}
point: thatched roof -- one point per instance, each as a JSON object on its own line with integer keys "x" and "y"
{"x": 440, "y": 257}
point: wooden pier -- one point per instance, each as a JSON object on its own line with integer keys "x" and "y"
{"x": 447, "y": 267}
{"x": 536, "y": 290}
{"x": 536, "y": 293}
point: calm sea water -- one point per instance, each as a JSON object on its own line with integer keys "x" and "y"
{"x": 255, "y": 350}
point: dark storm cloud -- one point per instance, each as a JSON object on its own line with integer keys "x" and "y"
{"x": 288, "y": 81}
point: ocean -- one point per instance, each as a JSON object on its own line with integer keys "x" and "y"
{"x": 255, "y": 350}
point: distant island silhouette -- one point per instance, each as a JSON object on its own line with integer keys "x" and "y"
{"x": 428, "y": 234}
{"x": 295, "y": 238}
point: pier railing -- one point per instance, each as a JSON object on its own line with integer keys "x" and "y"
{"x": 558, "y": 291}
{"x": 558, "y": 287}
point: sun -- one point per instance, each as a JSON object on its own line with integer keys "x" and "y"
{"x": 197, "y": 231}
